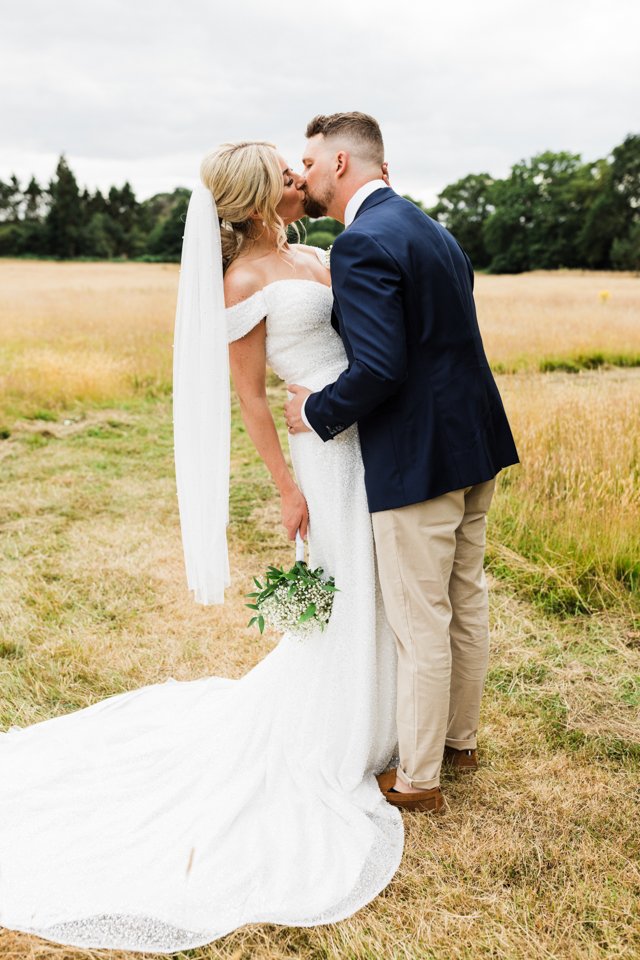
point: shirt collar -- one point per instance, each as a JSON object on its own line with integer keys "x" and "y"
{"x": 359, "y": 197}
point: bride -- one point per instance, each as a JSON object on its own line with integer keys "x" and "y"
{"x": 163, "y": 818}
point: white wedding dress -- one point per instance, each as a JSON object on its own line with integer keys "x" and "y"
{"x": 163, "y": 818}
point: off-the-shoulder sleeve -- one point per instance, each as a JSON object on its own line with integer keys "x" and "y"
{"x": 244, "y": 316}
{"x": 324, "y": 256}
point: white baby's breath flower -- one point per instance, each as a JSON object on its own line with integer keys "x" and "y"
{"x": 298, "y": 601}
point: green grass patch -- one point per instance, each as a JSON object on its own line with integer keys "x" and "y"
{"x": 48, "y": 415}
{"x": 588, "y": 361}
{"x": 567, "y": 363}
{"x": 590, "y": 747}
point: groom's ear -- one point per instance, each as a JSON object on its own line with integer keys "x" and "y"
{"x": 342, "y": 163}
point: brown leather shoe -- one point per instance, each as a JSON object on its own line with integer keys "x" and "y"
{"x": 386, "y": 780}
{"x": 425, "y": 801}
{"x": 461, "y": 761}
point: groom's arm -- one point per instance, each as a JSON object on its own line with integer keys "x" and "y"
{"x": 368, "y": 289}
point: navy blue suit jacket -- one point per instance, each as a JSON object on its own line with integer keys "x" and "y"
{"x": 418, "y": 383}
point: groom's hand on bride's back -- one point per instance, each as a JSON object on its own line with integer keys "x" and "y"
{"x": 295, "y": 513}
{"x": 293, "y": 408}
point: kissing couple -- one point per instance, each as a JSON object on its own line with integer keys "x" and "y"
{"x": 163, "y": 818}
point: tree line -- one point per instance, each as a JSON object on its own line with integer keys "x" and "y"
{"x": 553, "y": 210}
{"x": 65, "y": 222}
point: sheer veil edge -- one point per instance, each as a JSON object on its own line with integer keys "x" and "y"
{"x": 201, "y": 403}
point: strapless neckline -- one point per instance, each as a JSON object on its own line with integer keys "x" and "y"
{"x": 272, "y": 283}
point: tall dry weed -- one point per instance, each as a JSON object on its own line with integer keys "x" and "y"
{"x": 574, "y": 503}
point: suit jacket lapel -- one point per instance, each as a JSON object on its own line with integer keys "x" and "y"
{"x": 378, "y": 196}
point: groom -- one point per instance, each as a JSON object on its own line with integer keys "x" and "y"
{"x": 433, "y": 432}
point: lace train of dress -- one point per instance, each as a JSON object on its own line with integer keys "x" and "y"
{"x": 163, "y": 818}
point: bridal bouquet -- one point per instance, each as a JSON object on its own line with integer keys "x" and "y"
{"x": 297, "y": 601}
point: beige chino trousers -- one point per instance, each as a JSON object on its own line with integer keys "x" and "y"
{"x": 430, "y": 560}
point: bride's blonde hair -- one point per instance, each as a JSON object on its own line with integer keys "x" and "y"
{"x": 244, "y": 178}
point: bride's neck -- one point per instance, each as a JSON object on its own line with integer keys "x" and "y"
{"x": 261, "y": 245}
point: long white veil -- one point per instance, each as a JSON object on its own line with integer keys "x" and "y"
{"x": 201, "y": 403}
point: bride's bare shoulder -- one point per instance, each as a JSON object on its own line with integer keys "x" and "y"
{"x": 314, "y": 253}
{"x": 310, "y": 250}
{"x": 241, "y": 281}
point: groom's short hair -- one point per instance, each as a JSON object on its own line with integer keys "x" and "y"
{"x": 359, "y": 128}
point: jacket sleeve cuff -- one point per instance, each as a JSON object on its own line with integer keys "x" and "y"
{"x": 324, "y": 431}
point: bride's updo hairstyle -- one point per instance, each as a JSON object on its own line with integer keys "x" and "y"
{"x": 245, "y": 178}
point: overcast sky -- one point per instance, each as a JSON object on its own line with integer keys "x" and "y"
{"x": 140, "y": 90}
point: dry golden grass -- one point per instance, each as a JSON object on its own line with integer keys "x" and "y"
{"x": 78, "y": 333}
{"x": 559, "y": 315}
{"x": 83, "y": 333}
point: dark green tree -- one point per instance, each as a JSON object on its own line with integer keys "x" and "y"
{"x": 16, "y": 199}
{"x": 34, "y": 201}
{"x": 95, "y": 203}
{"x": 320, "y": 238}
{"x": 98, "y": 237}
{"x": 625, "y": 176}
{"x": 603, "y": 220}
{"x": 5, "y": 201}
{"x": 11, "y": 200}
{"x": 625, "y": 172}
{"x": 539, "y": 214}
{"x": 65, "y": 219}
{"x": 625, "y": 251}
{"x": 124, "y": 210}
{"x": 609, "y": 220}
{"x": 165, "y": 240}
{"x": 324, "y": 225}
{"x": 463, "y": 208}
{"x": 33, "y": 229}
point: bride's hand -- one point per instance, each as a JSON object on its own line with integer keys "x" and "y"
{"x": 295, "y": 513}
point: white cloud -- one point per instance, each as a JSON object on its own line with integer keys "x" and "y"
{"x": 141, "y": 91}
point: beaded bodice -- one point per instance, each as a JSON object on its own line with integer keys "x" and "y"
{"x": 302, "y": 346}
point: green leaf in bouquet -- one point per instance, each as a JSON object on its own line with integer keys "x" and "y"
{"x": 258, "y": 585}
{"x": 308, "y": 614}
{"x": 252, "y": 606}
{"x": 261, "y": 623}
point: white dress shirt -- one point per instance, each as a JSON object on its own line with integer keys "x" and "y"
{"x": 351, "y": 209}
{"x": 359, "y": 198}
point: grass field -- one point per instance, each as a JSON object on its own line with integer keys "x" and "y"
{"x": 537, "y": 855}
{"x": 95, "y": 333}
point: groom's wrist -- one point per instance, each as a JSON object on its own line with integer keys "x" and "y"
{"x": 303, "y": 415}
